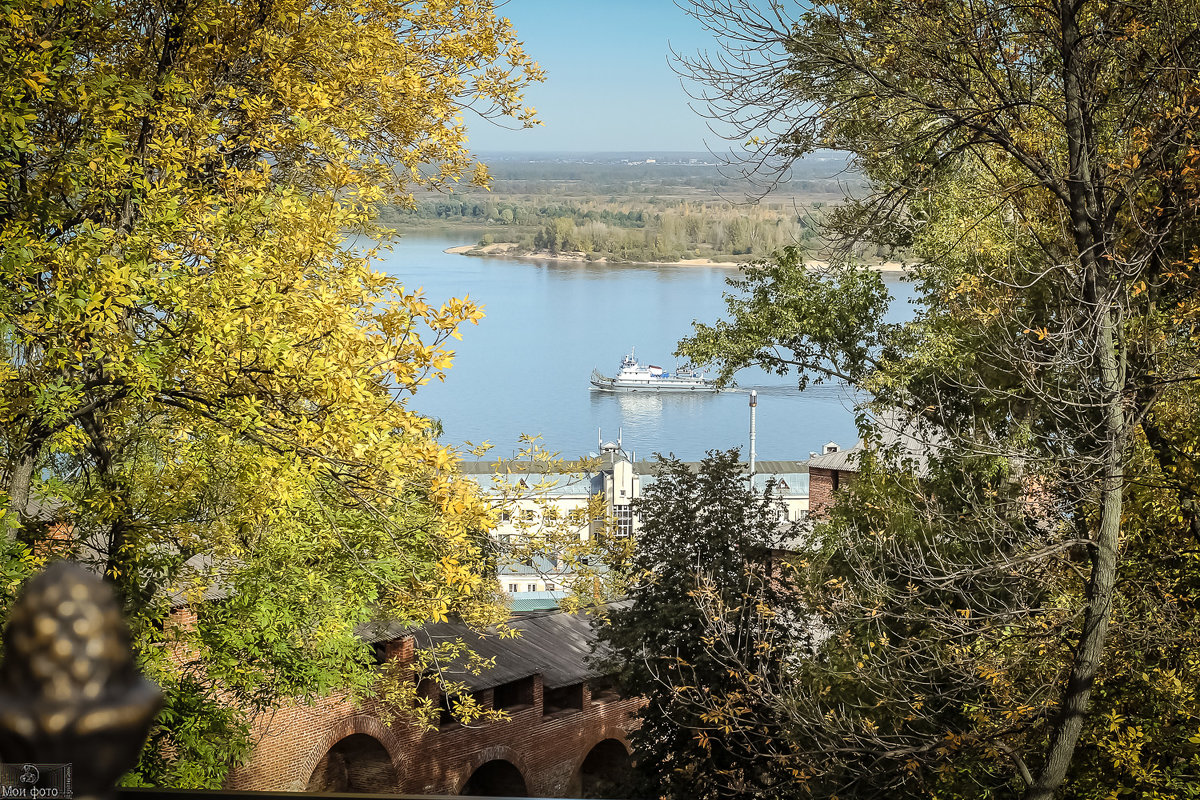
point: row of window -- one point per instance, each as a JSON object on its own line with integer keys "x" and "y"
{"x": 518, "y": 695}
{"x": 624, "y": 517}
{"x": 517, "y": 588}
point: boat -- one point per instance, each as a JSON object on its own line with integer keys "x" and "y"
{"x": 634, "y": 377}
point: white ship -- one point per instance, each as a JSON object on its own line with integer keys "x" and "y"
{"x": 633, "y": 377}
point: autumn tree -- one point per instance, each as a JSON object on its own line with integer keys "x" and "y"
{"x": 1038, "y": 160}
{"x": 200, "y": 364}
{"x": 706, "y": 542}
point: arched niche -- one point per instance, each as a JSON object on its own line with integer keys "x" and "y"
{"x": 496, "y": 778}
{"x": 357, "y": 763}
{"x": 606, "y": 771}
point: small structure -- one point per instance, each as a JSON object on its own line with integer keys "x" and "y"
{"x": 834, "y": 469}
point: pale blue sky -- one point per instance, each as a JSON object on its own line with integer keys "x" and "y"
{"x": 609, "y": 84}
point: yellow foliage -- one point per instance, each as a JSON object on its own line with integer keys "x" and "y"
{"x": 190, "y": 311}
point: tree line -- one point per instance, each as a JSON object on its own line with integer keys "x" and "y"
{"x": 676, "y": 234}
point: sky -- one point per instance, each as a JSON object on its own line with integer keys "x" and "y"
{"x": 609, "y": 83}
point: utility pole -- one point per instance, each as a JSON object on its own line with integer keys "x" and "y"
{"x": 753, "y": 409}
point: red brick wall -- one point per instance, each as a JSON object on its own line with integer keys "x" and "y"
{"x": 820, "y": 491}
{"x": 820, "y": 488}
{"x": 295, "y": 741}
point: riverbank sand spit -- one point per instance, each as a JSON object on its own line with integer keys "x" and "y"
{"x": 506, "y": 250}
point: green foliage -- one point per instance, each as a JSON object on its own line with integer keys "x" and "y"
{"x": 626, "y": 230}
{"x": 705, "y": 581}
{"x": 785, "y": 316}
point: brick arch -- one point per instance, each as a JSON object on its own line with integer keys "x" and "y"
{"x": 619, "y": 735}
{"x": 606, "y": 732}
{"x": 360, "y": 724}
{"x": 496, "y": 752}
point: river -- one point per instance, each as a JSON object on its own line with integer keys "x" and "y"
{"x": 524, "y": 369}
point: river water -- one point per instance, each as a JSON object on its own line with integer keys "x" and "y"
{"x": 524, "y": 368}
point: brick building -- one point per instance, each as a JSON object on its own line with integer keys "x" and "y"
{"x": 566, "y": 734}
{"x": 900, "y": 437}
{"x": 832, "y": 470}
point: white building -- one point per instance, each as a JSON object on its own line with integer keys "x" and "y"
{"x": 532, "y": 497}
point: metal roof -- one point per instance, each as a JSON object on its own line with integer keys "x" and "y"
{"x": 525, "y": 602}
{"x": 524, "y": 467}
{"x": 538, "y": 565}
{"x": 787, "y": 484}
{"x": 556, "y": 644}
{"x": 520, "y": 469}
{"x": 535, "y": 486}
{"x": 45, "y": 509}
{"x": 842, "y": 460}
{"x": 760, "y": 467}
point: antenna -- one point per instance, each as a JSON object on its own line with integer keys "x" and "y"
{"x": 599, "y": 439}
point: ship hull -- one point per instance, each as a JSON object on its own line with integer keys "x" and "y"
{"x": 604, "y": 384}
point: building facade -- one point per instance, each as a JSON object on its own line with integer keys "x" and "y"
{"x": 582, "y": 501}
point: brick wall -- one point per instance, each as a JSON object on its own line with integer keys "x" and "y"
{"x": 298, "y": 744}
{"x": 821, "y": 483}
{"x": 820, "y": 491}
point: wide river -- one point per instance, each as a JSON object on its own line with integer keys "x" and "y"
{"x": 524, "y": 368}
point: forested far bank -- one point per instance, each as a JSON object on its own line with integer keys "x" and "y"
{"x": 636, "y": 211}
{"x": 626, "y": 230}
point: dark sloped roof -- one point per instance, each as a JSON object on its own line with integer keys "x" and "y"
{"x": 780, "y": 467}
{"x": 555, "y": 644}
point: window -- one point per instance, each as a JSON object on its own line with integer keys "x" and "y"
{"x": 531, "y": 587}
{"x": 513, "y": 695}
{"x": 604, "y": 689}
{"x": 506, "y": 516}
{"x": 512, "y": 588}
{"x": 623, "y": 517}
{"x": 801, "y": 514}
{"x": 549, "y": 586}
{"x": 562, "y": 700}
{"x": 528, "y": 514}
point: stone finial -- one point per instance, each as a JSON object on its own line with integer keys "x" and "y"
{"x": 70, "y": 692}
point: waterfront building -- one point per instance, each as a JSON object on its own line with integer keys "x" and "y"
{"x": 532, "y": 495}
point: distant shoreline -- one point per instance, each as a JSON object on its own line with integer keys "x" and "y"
{"x": 504, "y": 250}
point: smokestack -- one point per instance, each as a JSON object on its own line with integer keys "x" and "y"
{"x": 753, "y": 409}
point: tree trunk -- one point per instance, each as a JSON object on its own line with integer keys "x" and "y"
{"x": 20, "y": 481}
{"x": 1089, "y": 652}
